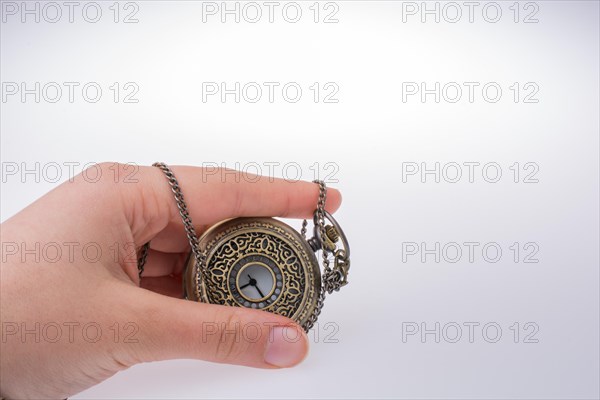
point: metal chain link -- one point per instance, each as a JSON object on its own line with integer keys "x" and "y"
{"x": 303, "y": 230}
{"x": 185, "y": 217}
{"x": 183, "y": 211}
{"x": 320, "y": 220}
{"x": 142, "y": 259}
{"x": 332, "y": 279}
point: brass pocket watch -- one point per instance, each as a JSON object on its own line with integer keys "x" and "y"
{"x": 263, "y": 263}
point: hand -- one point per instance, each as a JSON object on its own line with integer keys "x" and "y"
{"x": 71, "y": 320}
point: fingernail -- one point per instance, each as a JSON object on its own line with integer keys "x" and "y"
{"x": 286, "y": 347}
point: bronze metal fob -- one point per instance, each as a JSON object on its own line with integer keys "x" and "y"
{"x": 263, "y": 263}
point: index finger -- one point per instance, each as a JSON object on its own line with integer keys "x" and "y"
{"x": 151, "y": 208}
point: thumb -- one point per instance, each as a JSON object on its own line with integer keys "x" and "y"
{"x": 172, "y": 328}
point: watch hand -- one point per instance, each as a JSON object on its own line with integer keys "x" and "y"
{"x": 259, "y": 292}
{"x": 246, "y": 285}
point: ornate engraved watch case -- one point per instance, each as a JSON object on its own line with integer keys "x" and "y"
{"x": 258, "y": 263}
{"x": 263, "y": 263}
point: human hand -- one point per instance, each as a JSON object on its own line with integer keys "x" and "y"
{"x": 73, "y": 316}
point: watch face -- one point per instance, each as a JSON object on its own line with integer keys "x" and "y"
{"x": 258, "y": 263}
{"x": 255, "y": 281}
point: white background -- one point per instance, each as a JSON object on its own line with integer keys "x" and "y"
{"x": 368, "y": 136}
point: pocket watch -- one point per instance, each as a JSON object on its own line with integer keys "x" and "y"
{"x": 263, "y": 263}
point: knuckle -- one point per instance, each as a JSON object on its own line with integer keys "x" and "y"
{"x": 231, "y": 343}
{"x": 112, "y": 172}
{"x": 123, "y": 358}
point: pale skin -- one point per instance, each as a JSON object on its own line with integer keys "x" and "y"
{"x": 138, "y": 324}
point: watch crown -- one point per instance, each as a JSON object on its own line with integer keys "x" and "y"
{"x": 332, "y": 233}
